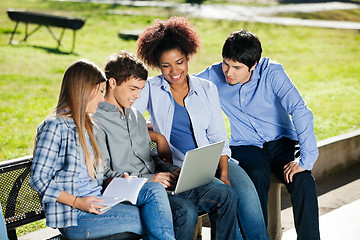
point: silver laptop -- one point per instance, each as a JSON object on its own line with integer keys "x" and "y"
{"x": 199, "y": 167}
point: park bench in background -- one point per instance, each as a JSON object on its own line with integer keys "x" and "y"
{"x": 47, "y": 20}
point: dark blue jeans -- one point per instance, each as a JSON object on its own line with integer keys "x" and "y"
{"x": 218, "y": 200}
{"x": 260, "y": 162}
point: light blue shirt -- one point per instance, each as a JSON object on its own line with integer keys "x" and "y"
{"x": 202, "y": 104}
{"x": 259, "y": 111}
{"x": 87, "y": 186}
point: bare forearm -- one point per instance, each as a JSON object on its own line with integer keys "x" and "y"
{"x": 224, "y": 169}
{"x": 67, "y": 198}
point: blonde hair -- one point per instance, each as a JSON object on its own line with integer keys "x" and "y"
{"x": 78, "y": 84}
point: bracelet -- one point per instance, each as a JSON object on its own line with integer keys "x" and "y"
{"x": 75, "y": 201}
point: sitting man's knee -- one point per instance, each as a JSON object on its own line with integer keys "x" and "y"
{"x": 185, "y": 215}
{"x": 227, "y": 195}
{"x": 303, "y": 179}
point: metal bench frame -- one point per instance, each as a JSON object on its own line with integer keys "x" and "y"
{"x": 46, "y": 20}
{"x": 15, "y": 193}
{"x": 11, "y": 201}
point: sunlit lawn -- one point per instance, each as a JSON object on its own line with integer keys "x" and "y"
{"x": 323, "y": 63}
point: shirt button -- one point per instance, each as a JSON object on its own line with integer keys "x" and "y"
{"x": 242, "y": 99}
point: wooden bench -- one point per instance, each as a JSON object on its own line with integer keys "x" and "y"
{"x": 47, "y": 20}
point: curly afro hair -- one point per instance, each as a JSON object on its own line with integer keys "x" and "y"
{"x": 164, "y": 35}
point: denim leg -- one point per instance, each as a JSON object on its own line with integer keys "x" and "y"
{"x": 151, "y": 217}
{"x": 249, "y": 209}
{"x": 118, "y": 219}
{"x": 185, "y": 216}
{"x": 220, "y": 202}
{"x": 257, "y": 165}
{"x": 155, "y": 211}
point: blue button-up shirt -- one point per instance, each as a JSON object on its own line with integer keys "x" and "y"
{"x": 259, "y": 111}
{"x": 202, "y": 104}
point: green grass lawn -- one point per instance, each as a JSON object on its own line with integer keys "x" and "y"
{"x": 352, "y": 15}
{"x": 323, "y": 63}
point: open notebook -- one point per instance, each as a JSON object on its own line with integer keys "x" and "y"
{"x": 121, "y": 190}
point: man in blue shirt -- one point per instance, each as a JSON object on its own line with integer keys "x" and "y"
{"x": 268, "y": 118}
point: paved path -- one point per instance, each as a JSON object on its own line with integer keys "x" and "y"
{"x": 339, "y": 205}
{"x": 250, "y": 14}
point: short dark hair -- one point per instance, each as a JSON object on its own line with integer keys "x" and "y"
{"x": 242, "y": 46}
{"x": 123, "y": 66}
{"x": 164, "y": 35}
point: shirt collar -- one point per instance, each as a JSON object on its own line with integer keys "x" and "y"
{"x": 108, "y": 107}
{"x": 192, "y": 85}
{"x": 166, "y": 86}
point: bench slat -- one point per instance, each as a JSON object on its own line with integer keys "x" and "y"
{"x": 45, "y": 19}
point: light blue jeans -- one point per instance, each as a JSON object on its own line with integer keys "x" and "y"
{"x": 151, "y": 217}
{"x": 249, "y": 209}
{"x": 3, "y": 231}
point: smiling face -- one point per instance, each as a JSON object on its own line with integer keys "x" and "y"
{"x": 127, "y": 92}
{"x": 236, "y": 72}
{"x": 96, "y": 96}
{"x": 174, "y": 66}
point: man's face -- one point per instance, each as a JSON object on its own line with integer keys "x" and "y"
{"x": 236, "y": 72}
{"x": 127, "y": 92}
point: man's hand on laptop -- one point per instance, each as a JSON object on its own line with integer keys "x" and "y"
{"x": 176, "y": 173}
{"x": 167, "y": 179}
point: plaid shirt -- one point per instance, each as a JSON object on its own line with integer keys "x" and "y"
{"x": 56, "y": 167}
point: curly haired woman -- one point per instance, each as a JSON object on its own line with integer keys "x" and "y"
{"x": 186, "y": 110}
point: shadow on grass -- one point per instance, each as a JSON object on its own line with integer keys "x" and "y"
{"x": 46, "y": 49}
{"x": 54, "y": 50}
